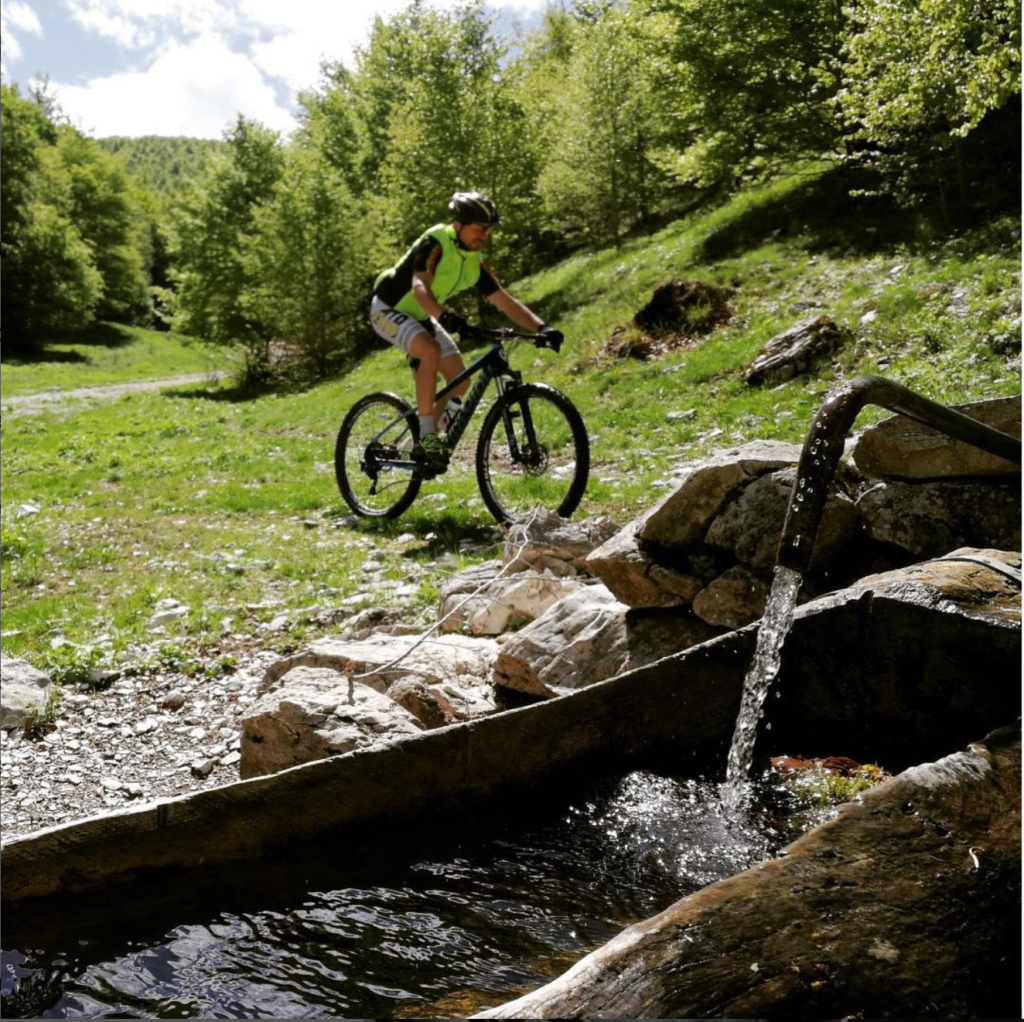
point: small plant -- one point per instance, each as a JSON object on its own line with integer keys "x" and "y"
{"x": 41, "y": 722}
{"x": 72, "y": 664}
{"x": 819, "y": 785}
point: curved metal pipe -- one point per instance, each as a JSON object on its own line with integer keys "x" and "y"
{"x": 827, "y": 437}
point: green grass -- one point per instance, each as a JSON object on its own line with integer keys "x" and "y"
{"x": 108, "y": 353}
{"x": 226, "y": 501}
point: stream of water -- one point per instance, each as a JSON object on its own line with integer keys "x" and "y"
{"x": 775, "y": 625}
{"x": 439, "y": 928}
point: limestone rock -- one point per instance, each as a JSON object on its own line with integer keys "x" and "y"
{"x": 928, "y": 519}
{"x": 548, "y": 542}
{"x": 462, "y": 660}
{"x": 681, "y": 519}
{"x": 588, "y": 637}
{"x": 794, "y": 351}
{"x": 751, "y": 524}
{"x": 429, "y": 704}
{"x": 23, "y": 693}
{"x": 380, "y": 621}
{"x": 901, "y": 448}
{"x": 510, "y": 600}
{"x": 308, "y": 717}
{"x": 733, "y": 600}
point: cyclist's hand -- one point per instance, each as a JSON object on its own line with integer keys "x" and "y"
{"x": 454, "y": 323}
{"x": 549, "y": 337}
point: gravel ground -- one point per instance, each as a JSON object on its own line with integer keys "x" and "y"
{"x": 141, "y": 739}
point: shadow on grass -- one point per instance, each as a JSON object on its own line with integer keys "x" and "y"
{"x": 830, "y": 219}
{"x": 444, "y": 531}
{"x": 34, "y": 348}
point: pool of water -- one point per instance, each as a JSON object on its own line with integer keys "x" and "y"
{"x": 436, "y": 926}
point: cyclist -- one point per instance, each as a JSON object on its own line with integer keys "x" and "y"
{"x": 407, "y": 309}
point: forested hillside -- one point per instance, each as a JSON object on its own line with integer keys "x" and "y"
{"x": 164, "y": 166}
{"x": 607, "y": 121}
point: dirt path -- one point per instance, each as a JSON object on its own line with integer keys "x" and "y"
{"x": 27, "y": 404}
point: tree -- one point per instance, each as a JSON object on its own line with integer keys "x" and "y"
{"x": 304, "y": 264}
{"x": 920, "y": 77}
{"x": 211, "y": 226}
{"x": 105, "y": 209}
{"x": 49, "y": 274}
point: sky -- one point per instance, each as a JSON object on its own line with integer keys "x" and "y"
{"x": 188, "y": 67}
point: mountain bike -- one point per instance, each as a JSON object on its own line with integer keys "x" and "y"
{"x": 532, "y": 450}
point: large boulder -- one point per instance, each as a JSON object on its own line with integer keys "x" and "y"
{"x": 502, "y": 603}
{"x": 461, "y": 661}
{"x": 588, "y": 637}
{"x": 750, "y": 525}
{"x": 928, "y": 519}
{"x": 907, "y": 904}
{"x": 902, "y": 448}
{"x": 308, "y": 717}
{"x": 794, "y": 351}
{"x": 24, "y": 692}
{"x": 546, "y": 542}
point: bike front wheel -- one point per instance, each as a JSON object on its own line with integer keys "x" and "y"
{"x": 376, "y": 432}
{"x": 533, "y": 452}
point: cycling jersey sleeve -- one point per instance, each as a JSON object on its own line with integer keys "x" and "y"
{"x": 425, "y": 255}
{"x": 487, "y": 284}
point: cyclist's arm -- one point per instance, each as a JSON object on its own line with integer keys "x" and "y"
{"x": 515, "y": 310}
{"x": 421, "y": 291}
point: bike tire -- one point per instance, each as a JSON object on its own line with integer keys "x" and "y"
{"x": 357, "y": 447}
{"x": 554, "y": 474}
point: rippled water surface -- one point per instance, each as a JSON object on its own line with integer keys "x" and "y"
{"x": 440, "y": 927}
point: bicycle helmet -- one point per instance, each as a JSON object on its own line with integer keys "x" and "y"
{"x": 473, "y": 208}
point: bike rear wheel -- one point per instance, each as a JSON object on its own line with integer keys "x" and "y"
{"x": 375, "y": 431}
{"x": 533, "y": 452}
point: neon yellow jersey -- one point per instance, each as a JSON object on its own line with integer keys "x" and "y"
{"x": 436, "y": 251}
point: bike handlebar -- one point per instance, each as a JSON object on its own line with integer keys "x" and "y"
{"x": 505, "y": 332}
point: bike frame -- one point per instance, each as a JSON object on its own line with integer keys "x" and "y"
{"x": 492, "y": 365}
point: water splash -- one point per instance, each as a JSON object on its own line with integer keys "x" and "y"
{"x": 778, "y": 616}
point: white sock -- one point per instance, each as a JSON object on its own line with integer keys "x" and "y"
{"x": 426, "y": 425}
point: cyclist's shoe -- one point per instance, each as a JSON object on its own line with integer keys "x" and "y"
{"x": 433, "y": 452}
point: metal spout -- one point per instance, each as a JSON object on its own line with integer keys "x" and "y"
{"x": 827, "y": 437}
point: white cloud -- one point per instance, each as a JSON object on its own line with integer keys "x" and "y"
{"x": 137, "y": 24}
{"x": 195, "y": 88}
{"x": 17, "y": 15}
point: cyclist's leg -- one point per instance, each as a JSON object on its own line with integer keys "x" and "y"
{"x": 414, "y": 338}
{"x": 451, "y": 366}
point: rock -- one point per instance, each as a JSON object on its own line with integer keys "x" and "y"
{"x": 646, "y": 564}
{"x": 380, "y": 620}
{"x": 174, "y": 700}
{"x": 547, "y": 542}
{"x": 429, "y": 704}
{"x": 733, "y": 600}
{"x": 203, "y": 767}
{"x": 899, "y": 447}
{"x": 636, "y": 579}
{"x": 513, "y": 599}
{"x": 23, "y": 693}
{"x": 688, "y": 307}
{"x": 751, "y": 523}
{"x": 588, "y": 637}
{"x": 460, "y": 659}
{"x": 794, "y": 351}
{"x": 910, "y": 895}
{"x": 928, "y": 519}
{"x": 166, "y": 611}
{"x": 308, "y": 717}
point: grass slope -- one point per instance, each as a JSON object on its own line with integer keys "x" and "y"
{"x": 226, "y": 501}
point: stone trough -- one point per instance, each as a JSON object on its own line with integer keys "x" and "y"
{"x": 902, "y": 667}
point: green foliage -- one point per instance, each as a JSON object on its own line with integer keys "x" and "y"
{"x": 211, "y": 228}
{"x": 305, "y": 261}
{"x": 71, "y": 664}
{"x": 921, "y": 75}
{"x": 49, "y": 272}
{"x": 820, "y": 787}
{"x": 164, "y": 165}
